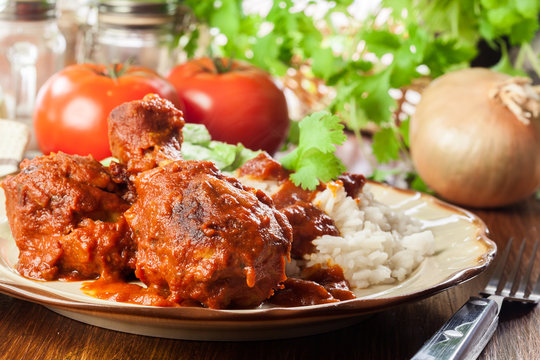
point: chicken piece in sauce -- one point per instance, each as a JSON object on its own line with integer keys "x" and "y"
{"x": 67, "y": 220}
{"x": 203, "y": 238}
{"x": 145, "y": 132}
{"x": 307, "y": 220}
{"x": 316, "y": 285}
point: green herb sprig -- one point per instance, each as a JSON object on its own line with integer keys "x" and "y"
{"x": 420, "y": 37}
{"x": 314, "y": 159}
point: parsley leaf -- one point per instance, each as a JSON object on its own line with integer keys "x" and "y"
{"x": 314, "y": 159}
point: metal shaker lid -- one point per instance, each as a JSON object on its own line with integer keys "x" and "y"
{"x": 137, "y": 12}
{"x": 27, "y": 10}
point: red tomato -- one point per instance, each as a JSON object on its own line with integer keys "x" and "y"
{"x": 236, "y": 101}
{"x": 73, "y": 105}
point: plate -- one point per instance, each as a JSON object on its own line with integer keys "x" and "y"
{"x": 463, "y": 250}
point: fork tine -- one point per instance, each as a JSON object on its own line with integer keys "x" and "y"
{"x": 496, "y": 283}
{"x": 525, "y": 290}
{"x": 535, "y": 294}
{"x": 511, "y": 287}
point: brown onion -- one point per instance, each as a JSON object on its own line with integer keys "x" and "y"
{"x": 475, "y": 138}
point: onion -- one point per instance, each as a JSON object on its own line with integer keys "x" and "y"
{"x": 475, "y": 138}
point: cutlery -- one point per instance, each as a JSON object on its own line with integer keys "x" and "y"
{"x": 467, "y": 332}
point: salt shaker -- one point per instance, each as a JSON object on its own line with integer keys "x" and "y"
{"x": 32, "y": 49}
{"x": 138, "y": 32}
{"x": 75, "y": 19}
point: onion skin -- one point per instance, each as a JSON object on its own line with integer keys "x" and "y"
{"x": 470, "y": 148}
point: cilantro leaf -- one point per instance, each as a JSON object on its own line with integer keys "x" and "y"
{"x": 314, "y": 159}
{"x": 419, "y": 185}
{"x": 373, "y": 97}
{"x": 528, "y": 8}
{"x": 381, "y": 42}
{"x": 316, "y": 166}
{"x": 523, "y": 31}
{"x": 505, "y": 66}
{"x": 321, "y": 130}
{"x": 381, "y": 175}
{"x": 385, "y": 147}
{"x": 325, "y": 64}
{"x": 227, "y": 18}
{"x": 404, "y": 131}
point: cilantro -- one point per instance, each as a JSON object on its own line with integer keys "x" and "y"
{"x": 505, "y": 66}
{"x": 381, "y": 175}
{"x": 314, "y": 159}
{"x": 292, "y": 136}
{"x": 403, "y": 130}
{"x": 390, "y": 141}
{"x": 418, "y": 184}
{"x": 385, "y": 147}
{"x": 435, "y": 36}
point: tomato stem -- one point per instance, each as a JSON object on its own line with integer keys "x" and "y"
{"x": 116, "y": 70}
{"x": 222, "y": 65}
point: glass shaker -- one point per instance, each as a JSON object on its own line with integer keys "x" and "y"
{"x": 139, "y": 32}
{"x": 32, "y": 49}
{"x": 75, "y": 19}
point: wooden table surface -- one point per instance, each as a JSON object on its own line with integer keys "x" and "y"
{"x": 30, "y": 331}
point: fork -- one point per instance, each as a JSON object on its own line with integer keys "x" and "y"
{"x": 467, "y": 332}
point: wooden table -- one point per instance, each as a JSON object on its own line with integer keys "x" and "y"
{"x": 29, "y": 331}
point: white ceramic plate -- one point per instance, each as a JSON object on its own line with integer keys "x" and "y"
{"x": 463, "y": 250}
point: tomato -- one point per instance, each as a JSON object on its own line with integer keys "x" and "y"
{"x": 236, "y": 101}
{"x": 72, "y": 106}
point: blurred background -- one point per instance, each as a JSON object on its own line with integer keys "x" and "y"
{"x": 364, "y": 60}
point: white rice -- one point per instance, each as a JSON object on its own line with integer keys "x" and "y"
{"x": 377, "y": 245}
